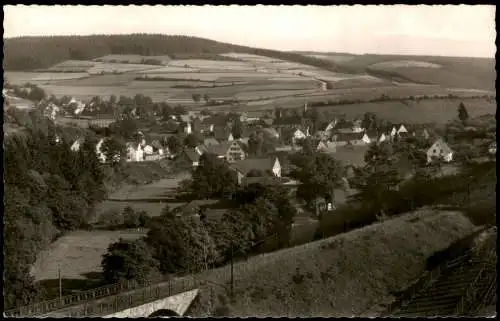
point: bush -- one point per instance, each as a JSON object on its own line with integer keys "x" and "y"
{"x": 129, "y": 260}
{"x": 111, "y": 219}
{"x": 133, "y": 219}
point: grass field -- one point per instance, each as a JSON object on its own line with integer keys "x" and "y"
{"x": 425, "y": 111}
{"x": 345, "y": 275}
{"x": 77, "y": 254}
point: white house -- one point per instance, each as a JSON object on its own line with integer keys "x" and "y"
{"x": 402, "y": 129}
{"x": 366, "y": 139}
{"x": 79, "y": 105}
{"x": 230, "y": 138}
{"x": 440, "y": 150}
{"x": 382, "y": 138}
{"x": 100, "y": 155}
{"x": 357, "y": 126}
{"x": 393, "y": 131}
{"x": 188, "y": 129}
{"x": 297, "y": 135}
{"x": 148, "y": 149}
{"x": 135, "y": 153}
{"x": 331, "y": 126}
{"x": 76, "y": 145}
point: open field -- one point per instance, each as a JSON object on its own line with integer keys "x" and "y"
{"x": 77, "y": 253}
{"x": 344, "y": 275}
{"x": 157, "y": 190}
{"x": 458, "y": 72}
{"x": 425, "y": 111}
{"x": 333, "y": 57}
{"x": 405, "y": 63}
{"x": 134, "y": 59}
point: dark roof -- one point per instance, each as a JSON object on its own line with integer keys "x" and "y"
{"x": 289, "y": 120}
{"x": 210, "y": 141}
{"x": 351, "y": 155}
{"x": 219, "y": 120}
{"x": 270, "y": 180}
{"x": 249, "y": 164}
{"x": 221, "y": 133}
{"x": 192, "y": 154}
{"x": 220, "y": 149}
{"x": 372, "y": 134}
{"x": 346, "y": 137}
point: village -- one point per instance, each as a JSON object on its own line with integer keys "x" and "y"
{"x": 340, "y": 168}
{"x": 258, "y": 149}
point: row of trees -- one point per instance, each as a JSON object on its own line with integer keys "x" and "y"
{"x": 48, "y": 190}
{"x": 179, "y": 244}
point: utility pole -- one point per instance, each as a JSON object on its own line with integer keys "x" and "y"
{"x": 232, "y": 272}
{"x": 60, "y": 284}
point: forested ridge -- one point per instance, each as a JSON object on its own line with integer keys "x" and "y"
{"x": 28, "y": 53}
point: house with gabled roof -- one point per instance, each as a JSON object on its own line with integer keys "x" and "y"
{"x": 402, "y": 129}
{"x": 231, "y": 151}
{"x": 383, "y": 137}
{"x": 192, "y": 155}
{"x": 327, "y": 147}
{"x": 440, "y": 150}
{"x": 77, "y": 144}
{"x": 268, "y": 165}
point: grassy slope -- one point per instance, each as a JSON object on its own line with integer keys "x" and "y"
{"x": 460, "y": 72}
{"x": 425, "y": 111}
{"x": 341, "y": 276}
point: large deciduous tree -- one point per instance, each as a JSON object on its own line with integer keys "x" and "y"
{"x": 180, "y": 243}
{"x": 114, "y": 149}
{"x": 129, "y": 260}
{"x": 463, "y": 114}
{"x": 213, "y": 178}
{"x": 319, "y": 175}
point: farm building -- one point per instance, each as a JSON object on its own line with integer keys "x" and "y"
{"x": 440, "y": 150}
{"x": 354, "y": 139}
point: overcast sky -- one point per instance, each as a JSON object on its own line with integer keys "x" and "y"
{"x": 424, "y": 30}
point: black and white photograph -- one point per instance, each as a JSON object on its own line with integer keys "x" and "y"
{"x": 249, "y": 161}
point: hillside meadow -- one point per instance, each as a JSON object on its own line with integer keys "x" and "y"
{"x": 346, "y": 275}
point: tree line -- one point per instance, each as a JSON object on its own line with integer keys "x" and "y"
{"x": 29, "y": 53}
{"x": 48, "y": 190}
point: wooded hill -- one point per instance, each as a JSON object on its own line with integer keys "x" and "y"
{"x": 28, "y": 53}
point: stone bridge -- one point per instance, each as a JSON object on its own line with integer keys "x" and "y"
{"x": 131, "y": 300}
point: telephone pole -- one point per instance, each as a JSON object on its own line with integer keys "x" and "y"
{"x": 60, "y": 284}
{"x": 232, "y": 272}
